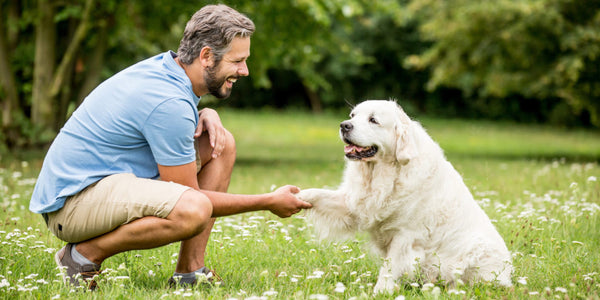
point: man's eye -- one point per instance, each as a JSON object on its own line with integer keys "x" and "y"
{"x": 372, "y": 120}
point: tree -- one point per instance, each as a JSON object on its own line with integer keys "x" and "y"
{"x": 9, "y": 98}
{"x": 73, "y": 44}
{"x": 49, "y": 81}
{"x": 544, "y": 49}
{"x": 53, "y": 37}
{"x": 310, "y": 38}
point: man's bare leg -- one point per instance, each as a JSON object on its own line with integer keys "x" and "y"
{"x": 188, "y": 218}
{"x": 214, "y": 175}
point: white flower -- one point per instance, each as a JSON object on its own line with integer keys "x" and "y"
{"x": 120, "y": 277}
{"x": 4, "y": 283}
{"x": 456, "y": 292}
{"x": 339, "y": 287}
{"x": 592, "y": 179}
{"x": 270, "y": 293}
{"x": 318, "y": 297}
{"x": 316, "y": 274}
{"x": 400, "y": 298}
{"x": 561, "y": 289}
{"x": 522, "y": 280}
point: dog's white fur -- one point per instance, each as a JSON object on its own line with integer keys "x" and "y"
{"x": 420, "y": 215}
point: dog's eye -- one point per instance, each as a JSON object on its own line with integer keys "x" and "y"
{"x": 373, "y": 120}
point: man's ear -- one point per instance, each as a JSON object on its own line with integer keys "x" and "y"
{"x": 405, "y": 145}
{"x": 206, "y": 57}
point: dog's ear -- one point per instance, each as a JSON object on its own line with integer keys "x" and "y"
{"x": 405, "y": 145}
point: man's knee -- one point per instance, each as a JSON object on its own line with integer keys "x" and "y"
{"x": 192, "y": 213}
{"x": 229, "y": 149}
{"x": 204, "y": 150}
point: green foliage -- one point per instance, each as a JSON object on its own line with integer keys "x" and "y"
{"x": 525, "y": 60}
{"x": 301, "y": 36}
{"x": 540, "y": 49}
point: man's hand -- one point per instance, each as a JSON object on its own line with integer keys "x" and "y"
{"x": 285, "y": 203}
{"x": 209, "y": 120}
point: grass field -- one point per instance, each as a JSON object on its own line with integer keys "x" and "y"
{"x": 540, "y": 186}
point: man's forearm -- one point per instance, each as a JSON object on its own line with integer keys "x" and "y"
{"x": 225, "y": 204}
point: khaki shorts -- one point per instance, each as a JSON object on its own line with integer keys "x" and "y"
{"x": 111, "y": 202}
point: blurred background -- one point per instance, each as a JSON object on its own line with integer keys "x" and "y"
{"x": 529, "y": 61}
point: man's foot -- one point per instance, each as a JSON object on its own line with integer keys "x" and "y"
{"x": 203, "y": 276}
{"x": 75, "y": 271}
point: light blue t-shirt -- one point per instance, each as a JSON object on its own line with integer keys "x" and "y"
{"x": 142, "y": 116}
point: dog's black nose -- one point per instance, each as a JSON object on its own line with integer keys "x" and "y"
{"x": 346, "y": 126}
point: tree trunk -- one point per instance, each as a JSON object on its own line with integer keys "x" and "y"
{"x": 8, "y": 89}
{"x": 45, "y": 46}
{"x": 94, "y": 64}
{"x": 48, "y": 82}
{"x": 71, "y": 52}
{"x": 315, "y": 101}
{"x": 63, "y": 99}
{"x": 65, "y": 69}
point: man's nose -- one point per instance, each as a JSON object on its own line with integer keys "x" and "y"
{"x": 243, "y": 69}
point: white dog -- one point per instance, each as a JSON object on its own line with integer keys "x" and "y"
{"x": 399, "y": 187}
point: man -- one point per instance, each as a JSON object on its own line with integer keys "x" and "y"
{"x": 98, "y": 187}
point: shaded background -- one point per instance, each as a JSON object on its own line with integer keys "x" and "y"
{"x": 533, "y": 61}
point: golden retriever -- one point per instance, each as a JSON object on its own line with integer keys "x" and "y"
{"x": 420, "y": 215}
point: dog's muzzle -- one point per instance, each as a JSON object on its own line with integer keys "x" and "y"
{"x": 352, "y": 150}
{"x": 346, "y": 127}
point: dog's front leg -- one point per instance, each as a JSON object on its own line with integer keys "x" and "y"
{"x": 401, "y": 260}
{"x": 329, "y": 214}
{"x": 386, "y": 282}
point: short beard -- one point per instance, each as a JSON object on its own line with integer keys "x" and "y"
{"x": 214, "y": 85}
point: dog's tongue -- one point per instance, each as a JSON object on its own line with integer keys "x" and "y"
{"x": 353, "y": 148}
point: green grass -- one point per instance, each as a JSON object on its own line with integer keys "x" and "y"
{"x": 539, "y": 185}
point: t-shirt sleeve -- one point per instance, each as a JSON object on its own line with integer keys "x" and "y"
{"x": 169, "y": 131}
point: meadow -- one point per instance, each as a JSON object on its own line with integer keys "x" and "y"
{"x": 539, "y": 185}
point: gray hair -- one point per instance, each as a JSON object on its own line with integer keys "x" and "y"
{"x": 213, "y": 26}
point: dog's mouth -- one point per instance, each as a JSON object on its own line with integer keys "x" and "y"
{"x": 356, "y": 152}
